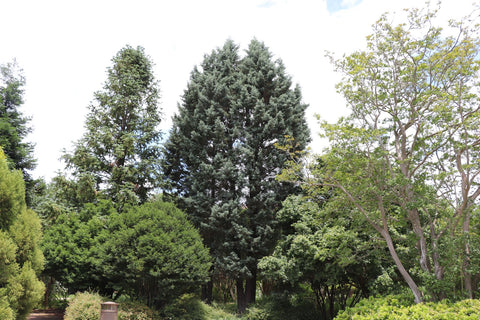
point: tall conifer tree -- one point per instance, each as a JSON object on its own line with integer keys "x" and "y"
{"x": 221, "y": 161}
{"x": 119, "y": 151}
{"x": 14, "y": 126}
{"x": 199, "y": 158}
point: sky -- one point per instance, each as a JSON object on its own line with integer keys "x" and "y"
{"x": 65, "y": 48}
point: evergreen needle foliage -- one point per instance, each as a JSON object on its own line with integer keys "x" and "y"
{"x": 221, "y": 159}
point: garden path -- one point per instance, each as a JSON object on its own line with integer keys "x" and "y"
{"x": 46, "y": 315}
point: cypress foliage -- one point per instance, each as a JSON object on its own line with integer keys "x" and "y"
{"x": 220, "y": 159}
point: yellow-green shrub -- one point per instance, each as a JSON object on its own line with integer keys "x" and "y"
{"x": 86, "y": 306}
{"x": 397, "y": 308}
{"x": 135, "y": 311}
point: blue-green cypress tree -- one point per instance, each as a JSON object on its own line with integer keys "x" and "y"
{"x": 221, "y": 160}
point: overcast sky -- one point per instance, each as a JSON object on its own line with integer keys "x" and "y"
{"x": 65, "y": 47}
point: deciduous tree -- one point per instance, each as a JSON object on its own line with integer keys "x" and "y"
{"x": 409, "y": 149}
{"x": 325, "y": 247}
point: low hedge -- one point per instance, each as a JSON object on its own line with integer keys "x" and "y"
{"x": 398, "y": 308}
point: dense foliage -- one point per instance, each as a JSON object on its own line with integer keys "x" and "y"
{"x": 21, "y": 260}
{"x": 154, "y": 253}
{"x": 71, "y": 246}
{"x": 221, "y": 160}
{"x": 324, "y": 247}
{"x": 85, "y": 306}
{"x": 151, "y": 252}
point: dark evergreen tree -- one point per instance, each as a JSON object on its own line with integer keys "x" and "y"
{"x": 14, "y": 126}
{"x": 119, "y": 151}
{"x": 271, "y": 112}
{"x": 221, "y": 159}
{"x": 200, "y": 154}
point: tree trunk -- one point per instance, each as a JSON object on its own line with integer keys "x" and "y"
{"x": 406, "y": 276}
{"x": 48, "y": 291}
{"x": 466, "y": 262}
{"x": 414, "y": 218}
{"x": 207, "y": 292}
{"x": 267, "y": 287}
{"x": 331, "y": 303}
{"x": 438, "y": 269}
{"x": 241, "y": 297}
{"x": 251, "y": 288}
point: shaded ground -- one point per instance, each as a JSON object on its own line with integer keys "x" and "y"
{"x": 46, "y": 315}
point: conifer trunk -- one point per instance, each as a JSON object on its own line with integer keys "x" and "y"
{"x": 466, "y": 262}
{"x": 251, "y": 288}
{"x": 241, "y": 297}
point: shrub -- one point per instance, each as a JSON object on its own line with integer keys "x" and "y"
{"x": 5, "y": 311}
{"x": 254, "y": 313}
{"x": 84, "y": 306}
{"x": 25, "y": 291}
{"x": 280, "y": 306}
{"x": 135, "y": 311}
{"x": 162, "y": 254}
{"x": 395, "y": 307}
{"x": 189, "y": 307}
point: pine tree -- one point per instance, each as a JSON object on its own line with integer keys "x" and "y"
{"x": 221, "y": 161}
{"x": 119, "y": 151}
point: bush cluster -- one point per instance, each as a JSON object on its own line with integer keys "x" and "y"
{"x": 86, "y": 306}
{"x": 395, "y": 307}
{"x": 135, "y": 311}
{"x": 189, "y": 307}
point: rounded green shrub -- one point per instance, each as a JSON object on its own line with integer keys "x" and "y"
{"x": 154, "y": 254}
{"x": 135, "y": 311}
{"x": 84, "y": 306}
